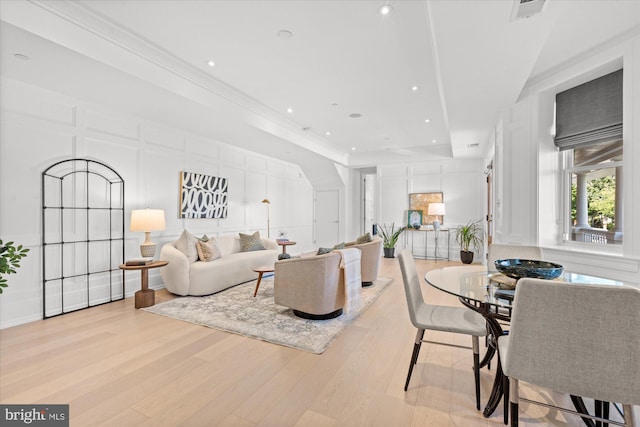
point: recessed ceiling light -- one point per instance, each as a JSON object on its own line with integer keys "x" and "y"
{"x": 211, "y": 63}
{"x": 433, "y": 140}
{"x": 414, "y": 88}
{"x": 355, "y": 115}
{"x": 285, "y": 34}
{"x": 21, "y": 56}
{"x": 327, "y": 133}
{"x": 289, "y": 110}
{"x": 427, "y": 120}
{"x": 353, "y": 148}
{"x": 385, "y": 9}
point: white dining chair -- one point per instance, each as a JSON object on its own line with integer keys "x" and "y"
{"x": 582, "y": 340}
{"x": 424, "y": 316}
{"x": 504, "y": 251}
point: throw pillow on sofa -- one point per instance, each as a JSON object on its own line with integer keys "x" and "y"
{"x": 365, "y": 238}
{"x": 251, "y": 242}
{"x": 186, "y": 244}
{"x": 323, "y": 251}
{"x": 208, "y": 250}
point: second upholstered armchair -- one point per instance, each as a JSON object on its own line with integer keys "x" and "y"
{"x": 370, "y": 261}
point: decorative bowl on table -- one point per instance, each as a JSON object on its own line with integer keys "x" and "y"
{"x": 519, "y": 268}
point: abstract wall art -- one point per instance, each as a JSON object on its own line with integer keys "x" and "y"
{"x": 421, "y": 201}
{"x": 203, "y": 196}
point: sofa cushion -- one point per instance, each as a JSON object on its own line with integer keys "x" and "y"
{"x": 365, "y": 238}
{"x": 186, "y": 244}
{"x": 208, "y": 250}
{"x": 322, "y": 251}
{"x": 251, "y": 242}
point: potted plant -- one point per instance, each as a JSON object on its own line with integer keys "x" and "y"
{"x": 467, "y": 236}
{"x": 10, "y": 257}
{"x": 390, "y": 237}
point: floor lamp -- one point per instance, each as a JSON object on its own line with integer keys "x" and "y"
{"x": 267, "y": 202}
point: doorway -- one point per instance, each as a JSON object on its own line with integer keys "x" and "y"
{"x": 489, "y": 173}
{"x": 369, "y": 220}
{"x": 327, "y": 217}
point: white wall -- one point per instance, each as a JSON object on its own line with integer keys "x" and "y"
{"x": 39, "y": 128}
{"x": 462, "y": 183}
{"x": 529, "y": 175}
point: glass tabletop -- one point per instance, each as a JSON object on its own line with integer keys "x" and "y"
{"x": 473, "y": 282}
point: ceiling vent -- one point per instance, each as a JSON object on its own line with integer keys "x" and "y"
{"x": 527, "y": 8}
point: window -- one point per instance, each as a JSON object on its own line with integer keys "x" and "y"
{"x": 589, "y": 132}
{"x": 593, "y": 173}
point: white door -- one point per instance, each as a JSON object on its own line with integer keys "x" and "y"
{"x": 369, "y": 203}
{"x": 327, "y": 218}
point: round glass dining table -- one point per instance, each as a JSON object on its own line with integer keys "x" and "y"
{"x": 481, "y": 290}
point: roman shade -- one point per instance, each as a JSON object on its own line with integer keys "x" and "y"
{"x": 590, "y": 113}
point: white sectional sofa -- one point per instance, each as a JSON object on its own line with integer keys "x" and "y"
{"x": 184, "y": 277}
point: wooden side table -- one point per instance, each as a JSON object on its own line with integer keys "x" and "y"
{"x": 145, "y": 297}
{"x": 261, "y": 271}
{"x": 284, "y": 245}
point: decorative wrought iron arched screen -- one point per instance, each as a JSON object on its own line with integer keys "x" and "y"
{"x": 82, "y": 236}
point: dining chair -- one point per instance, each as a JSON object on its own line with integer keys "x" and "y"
{"x": 582, "y": 340}
{"x": 424, "y": 316}
{"x": 504, "y": 251}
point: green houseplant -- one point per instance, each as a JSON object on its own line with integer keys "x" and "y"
{"x": 10, "y": 257}
{"x": 468, "y": 236}
{"x": 390, "y": 237}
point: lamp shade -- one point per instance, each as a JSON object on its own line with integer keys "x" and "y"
{"x": 436, "y": 209}
{"x": 147, "y": 220}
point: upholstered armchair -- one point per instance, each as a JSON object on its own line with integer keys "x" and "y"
{"x": 370, "y": 261}
{"x": 310, "y": 285}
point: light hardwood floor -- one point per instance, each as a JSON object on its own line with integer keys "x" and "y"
{"x": 119, "y": 366}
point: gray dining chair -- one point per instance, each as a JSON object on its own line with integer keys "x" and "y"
{"x": 504, "y": 251}
{"x": 459, "y": 320}
{"x": 582, "y": 340}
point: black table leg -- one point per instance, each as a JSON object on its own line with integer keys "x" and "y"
{"x": 580, "y": 407}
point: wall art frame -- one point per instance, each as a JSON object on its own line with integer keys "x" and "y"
{"x": 421, "y": 201}
{"x": 414, "y": 218}
{"x": 203, "y": 196}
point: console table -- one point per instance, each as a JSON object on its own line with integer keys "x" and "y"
{"x": 413, "y": 239}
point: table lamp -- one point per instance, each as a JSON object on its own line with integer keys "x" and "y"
{"x": 147, "y": 220}
{"x": 436, "y": 209}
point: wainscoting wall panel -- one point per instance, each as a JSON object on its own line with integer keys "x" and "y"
{"x": 39, "y": 127}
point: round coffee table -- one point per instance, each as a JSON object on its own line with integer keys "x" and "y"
{"x": 261, "y": 270}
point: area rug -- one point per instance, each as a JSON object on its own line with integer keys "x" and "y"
{"x": 236, "y": 310}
